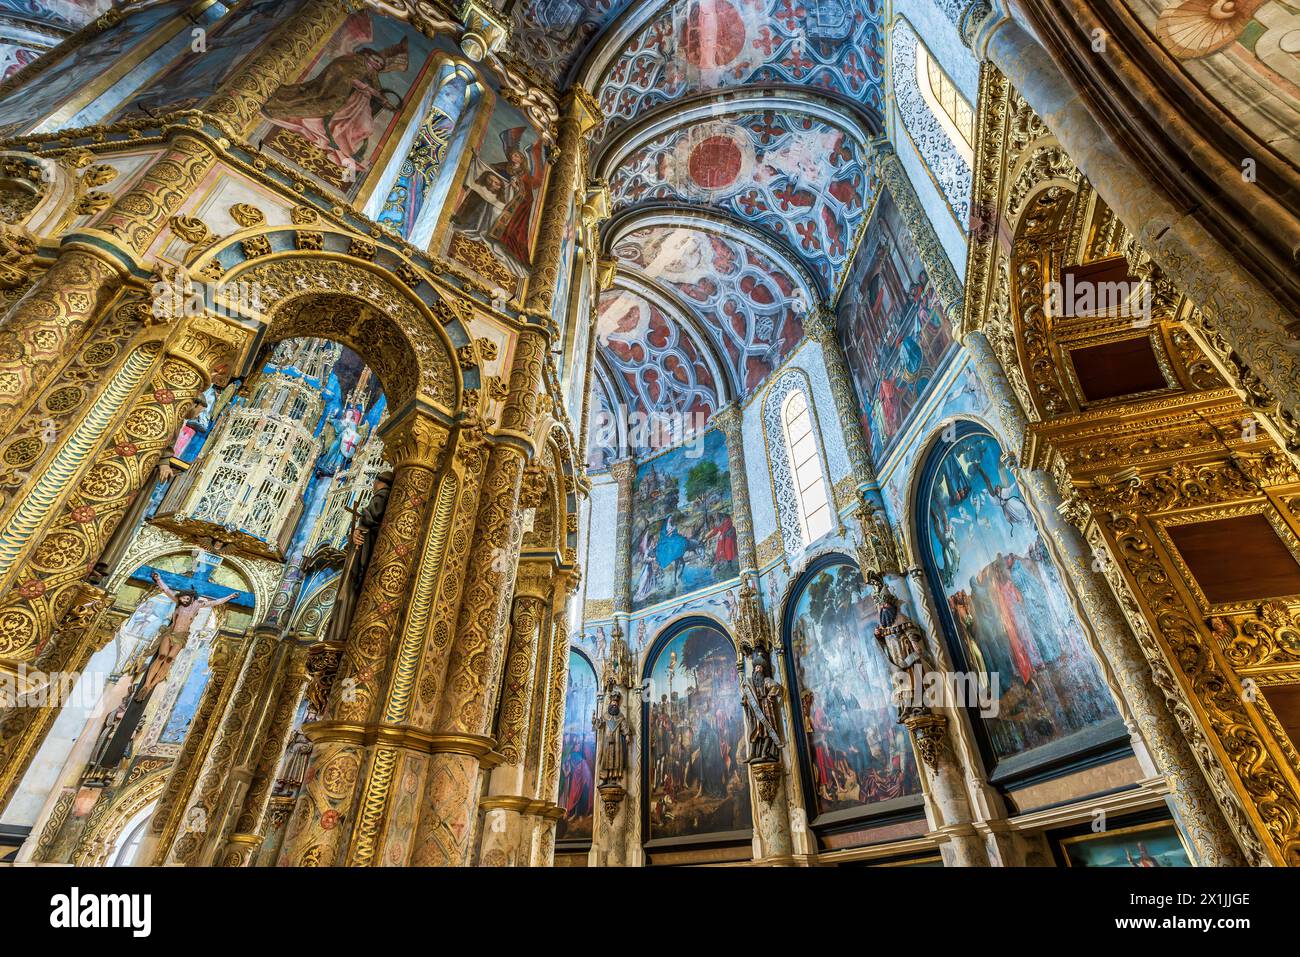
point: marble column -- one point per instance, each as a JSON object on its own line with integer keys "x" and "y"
{"x": 1190, "y": 798}
{"x": 820, "y": 325}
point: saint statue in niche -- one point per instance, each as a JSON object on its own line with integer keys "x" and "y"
{"x": 335, "y": 110}
{"x": 361, "y": 548}
{"x": 762, "y": 704}
{"x": 614, "y": 734}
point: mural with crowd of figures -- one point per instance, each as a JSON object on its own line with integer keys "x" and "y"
{"x": 196, "y": 75}
{"x": 697, "y": 779}
{"x": 578, "y": 764}
{"x": 858, "y": 754}
{"x": 683, "y": 537}
{"x": 1005, "y": 605}
{"x": 895, "y": 332}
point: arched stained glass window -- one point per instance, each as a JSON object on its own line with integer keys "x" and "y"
{"x": 951, "y": 109}
{"x": 806, "y": 468}
{"x": 1006, "y": 612}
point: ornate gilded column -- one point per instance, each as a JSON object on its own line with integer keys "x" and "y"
{"x": 624, "y": 473}
{"x": 207, "y": 808}
{"x": 1190, "y": 797}
{"x": 546, "y": 811}
{"x": 79, "y": 520}
{"x": 265, "y": 752}
{"x": 505, "y": 838}
{"x": 445, "y": 832}
{"x": 820, "y": 325}
{"x": 23, "y": 729}
{"x": 355, "y": 754}
{"x": 46, "y": 325}
{"x": 730, "y": 419}
{"x": 225, "y": 662}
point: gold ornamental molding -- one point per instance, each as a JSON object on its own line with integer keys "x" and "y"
{"x": 399, "y": 736}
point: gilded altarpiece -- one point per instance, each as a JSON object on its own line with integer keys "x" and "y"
{"x": 1152, "y": 438}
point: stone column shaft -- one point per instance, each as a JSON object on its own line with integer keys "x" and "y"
{"x": 1190, "y": 797}
{"x": 731, "y": 420}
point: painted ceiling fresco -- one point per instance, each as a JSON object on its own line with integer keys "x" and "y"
{"x": 751, "y": 305}
{"x": 662, "y": 368}
{"x": 800, "y": 178}
{"x": 694, "y": 46}
{"x": 552, "y": 35}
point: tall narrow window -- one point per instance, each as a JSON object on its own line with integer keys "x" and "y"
{"x": 945, "y": 101}
{"x": 806, "y": 468}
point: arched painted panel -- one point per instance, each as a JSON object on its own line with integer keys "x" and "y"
{"x": 1004, "y": 607}
{"x": 855, "y": 752}
{"x": 695, "y": 775}
{"x": 578, "y": 764}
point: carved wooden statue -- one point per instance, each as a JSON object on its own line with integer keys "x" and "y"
{"x": 361, "y": 548}
{"x": 613, "y": 733}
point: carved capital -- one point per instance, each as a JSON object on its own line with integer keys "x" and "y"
{"x": 415, "y": 440}
{"x": 928, "y": 731}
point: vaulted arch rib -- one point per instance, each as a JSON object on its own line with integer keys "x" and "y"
{"x": 642, "y": 215}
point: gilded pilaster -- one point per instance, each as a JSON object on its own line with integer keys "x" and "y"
{"x": 267, "y": 750}
{"x": 101, "y": 486}
{"x": 821, "y": 327}
{"x": 341, "y": 808}
{"x": 23, "y": 729}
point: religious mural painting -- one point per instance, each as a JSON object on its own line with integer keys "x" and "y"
{"x": 578, "y": 764}
{"x": 683, "y": 536}
{"x": 1152, "y": 844}
{"x": 664, "y": 375}
{"x": 895, "y": 332}
{"x": 801, "y": 178}
{"x": 857, "y": 754}
{"x": 697, "y": 781}
{"x": 699, "y": 45}
{"x": 197, "y": 74}
{"x": 494, "y": 213}
{"x": 413, "y": 202}
{"x": 749, "y": 303}
{"x": 1005, "y": 608}
{"x": 24, "y": 107}
{"x": 335, "y": 120}
{"x": 552, "y": 35}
